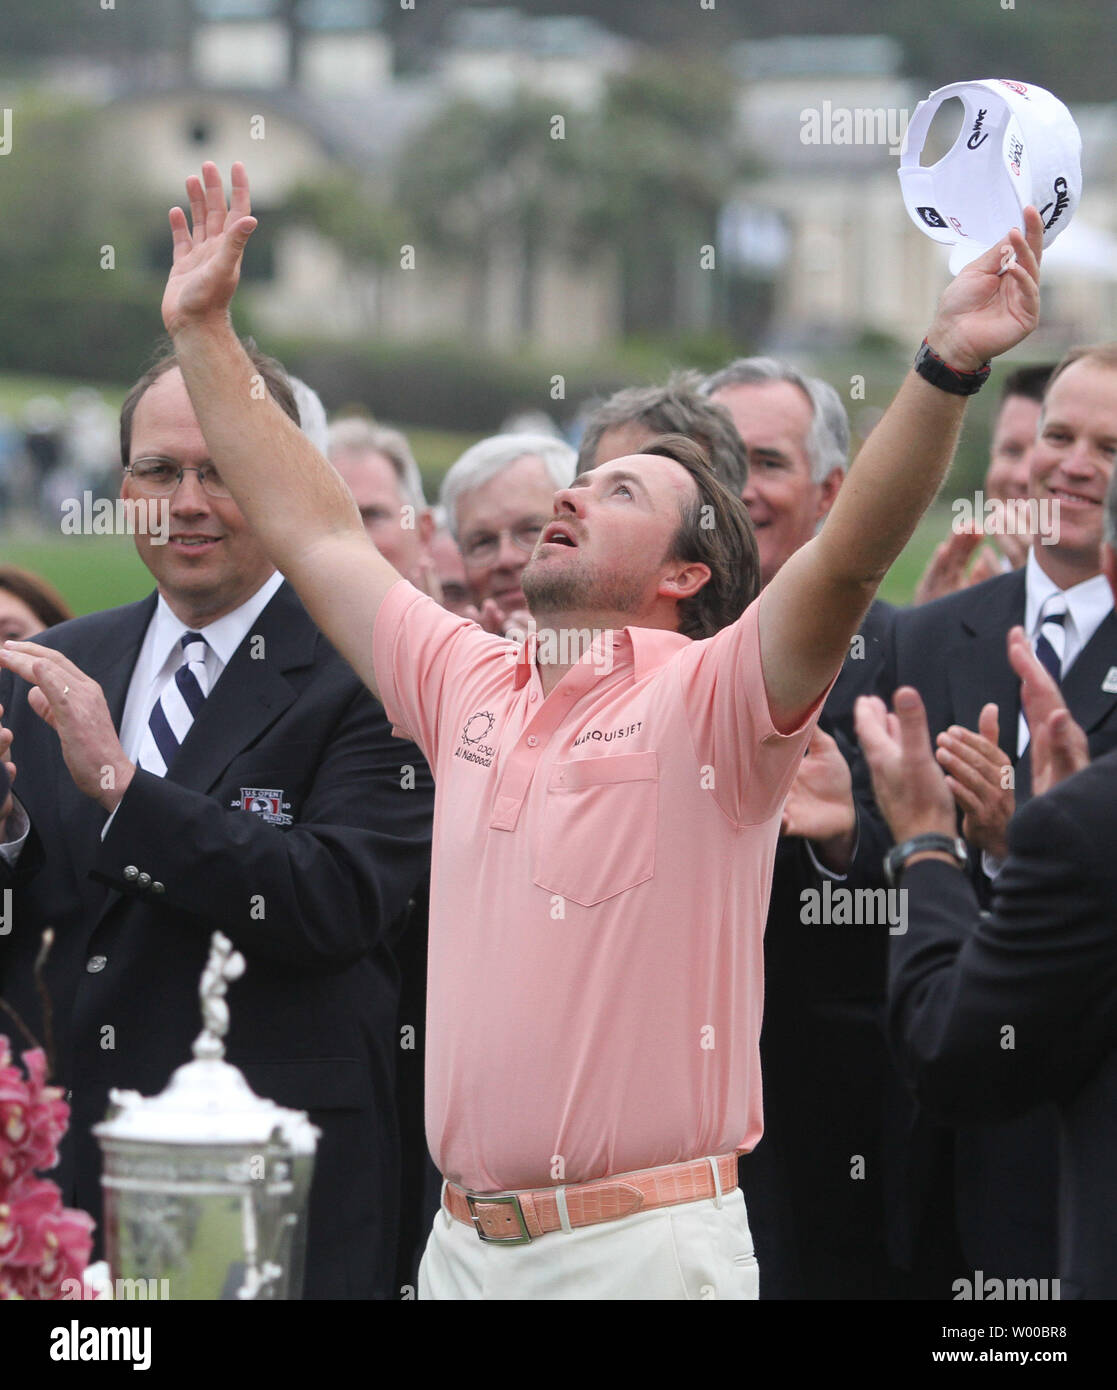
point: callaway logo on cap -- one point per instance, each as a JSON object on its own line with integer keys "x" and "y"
{"x": 1018, "y": 145}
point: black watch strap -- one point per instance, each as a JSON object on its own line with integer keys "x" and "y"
{"x": 930, "y": 366}
{"x": 895, "y": 861}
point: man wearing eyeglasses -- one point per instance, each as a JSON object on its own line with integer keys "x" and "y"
{"x": 205, "y": 760}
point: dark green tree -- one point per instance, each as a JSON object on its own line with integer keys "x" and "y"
{"x": 643, "y": 177}
{"x": 662, "y": 164}
{"x": 479, "y": 183}
{"x": 78, "y": 296}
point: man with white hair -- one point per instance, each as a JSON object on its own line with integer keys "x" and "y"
{"x": 380, "y": 471}
{"x": 797, "y": 433}
{"x": 498, "y": 497}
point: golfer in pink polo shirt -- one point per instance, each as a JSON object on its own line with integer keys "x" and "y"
{"x": 609, "y": 793}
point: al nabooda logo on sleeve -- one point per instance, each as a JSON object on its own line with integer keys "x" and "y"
{"x": 265, "y": 802}
{"x": 473, "y": 746}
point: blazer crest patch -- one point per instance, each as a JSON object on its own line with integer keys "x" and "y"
{"x": 265, "y": 802}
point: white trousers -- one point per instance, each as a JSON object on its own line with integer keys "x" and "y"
{"x": 694, "y": 1250}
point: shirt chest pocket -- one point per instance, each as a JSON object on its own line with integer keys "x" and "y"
{"x": 599, "y": 827}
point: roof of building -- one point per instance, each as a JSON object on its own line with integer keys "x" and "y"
{"x": 816, "y": 55}
{"x": 505, "y": 30}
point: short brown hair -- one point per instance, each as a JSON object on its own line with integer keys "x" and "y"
{"x": 1105, "y": 354}
{"x": 716, "y": 531}
{"x": 42, "y": 598}
{"x": 1029, "y": 382}
{"x": 273, "y": 373}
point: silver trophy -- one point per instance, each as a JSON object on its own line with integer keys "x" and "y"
{"x": 206, "y": 1185}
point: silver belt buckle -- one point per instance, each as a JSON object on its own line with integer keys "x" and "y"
{"x": 524, "y": 1236}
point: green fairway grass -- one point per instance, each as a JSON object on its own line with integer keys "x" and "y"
{"x": 92, "y": 572}
{"x": 900, "y": 581}
{"x": 17, "y": 389}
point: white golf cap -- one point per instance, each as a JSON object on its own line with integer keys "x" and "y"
{"x": 1018, "y": 145}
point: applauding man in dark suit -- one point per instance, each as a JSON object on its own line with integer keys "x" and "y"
{"x": 204, "y": 759}
{"x": 991, "y": 1013}
{"x": 953, "y": 651}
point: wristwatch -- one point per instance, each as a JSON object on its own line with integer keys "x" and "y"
{"x": 930, "y": 366}
{"x": 895, "y": 861}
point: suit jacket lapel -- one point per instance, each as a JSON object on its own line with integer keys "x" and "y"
{"x": 117, "y": 656}
{"x": 251, "y": 694}
{"x": 977, "y": 664}
{"x": 1082, "y": 690}
{"x": 1082, "y": 684}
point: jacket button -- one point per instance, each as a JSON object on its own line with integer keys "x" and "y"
{"x": 157, "y": 887}
{"x": 144, "y": 881}
{"x": 131, "y": 873}
{"x": 95, "y": 964}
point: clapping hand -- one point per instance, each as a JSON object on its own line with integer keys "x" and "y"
{"x": 819, "y": 806}
{"x": 908, "y": 784}
{"x": 1058, "y": 744}
{"x": 73, "y": 704}
{"x": 982, "y": 781}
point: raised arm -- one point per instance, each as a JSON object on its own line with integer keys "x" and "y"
{"x": 813, "y": 606}
{"x": 295, "y": 502}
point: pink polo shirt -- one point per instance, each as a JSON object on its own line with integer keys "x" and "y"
{"x": 601, "y": 869}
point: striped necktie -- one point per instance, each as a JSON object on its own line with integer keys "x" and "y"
{"x": 1051, "y": 638}
{"x": 176, "y": 708}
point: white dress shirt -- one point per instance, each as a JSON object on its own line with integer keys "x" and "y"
{"x": 1087, "y": 605}
{"x": 161, "y": 656}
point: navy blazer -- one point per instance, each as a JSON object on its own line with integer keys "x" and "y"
{"x": 310, "y": 896}
{"x": 954, "y": 651}
{"x": 1043, "y": 964}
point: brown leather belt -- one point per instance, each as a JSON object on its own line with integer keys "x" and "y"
{"x": 514, "y": 1218}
